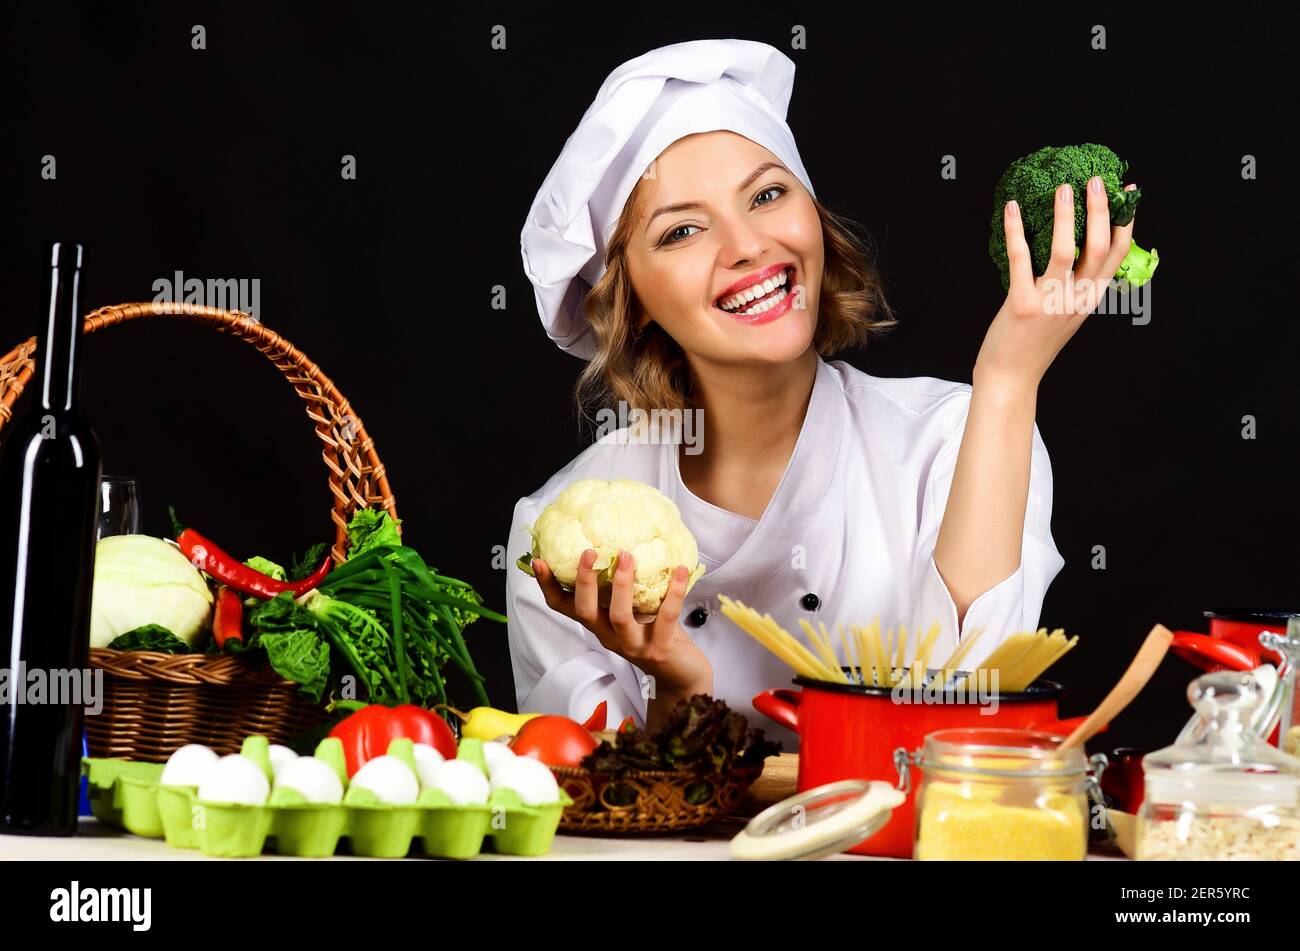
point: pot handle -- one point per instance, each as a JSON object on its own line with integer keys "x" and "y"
{"x": 781, "y": 705}
{"x": 1066, "y": 727}
{"x": 1213, "y": 653}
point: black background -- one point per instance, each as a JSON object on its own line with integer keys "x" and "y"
{"x": 225, "y": 163}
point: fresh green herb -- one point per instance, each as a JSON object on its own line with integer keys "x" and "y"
{"x": 307, "y": 562}
{"x": 700, "y": 735}
{"x": 150, "y": 637}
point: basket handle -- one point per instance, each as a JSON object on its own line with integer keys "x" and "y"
{"x": 356, "y": 476}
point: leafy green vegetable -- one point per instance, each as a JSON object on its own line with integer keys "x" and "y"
{"x": 371, "y": 528}
{"x": 294, "y": 644}
{"x": 150, "y": 637}
{"x": 141, "y": 581}
{"x": 1031, "y": 181}
{"x": 700, "y": 735}
{"x": 383, "y": 616}
{"x": 267, "y": 567}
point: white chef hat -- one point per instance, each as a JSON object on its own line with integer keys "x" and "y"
{"x": 643, "y": 107}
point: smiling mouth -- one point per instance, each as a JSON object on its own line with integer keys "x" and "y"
{"x": 759, "y": 298}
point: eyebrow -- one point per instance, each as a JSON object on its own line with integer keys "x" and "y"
{"x": 689, "y": 205}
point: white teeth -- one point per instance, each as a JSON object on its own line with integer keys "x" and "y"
{"x": 764, "y": 306}
{"x": 757, "y": 290}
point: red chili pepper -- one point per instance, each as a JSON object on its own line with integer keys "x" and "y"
{"x": 367, "y": 733}
{"x": 597, "y": 720}
{"x": 627, "y": 726}
{"x": 206, "y": 556}
{"x": 228, "y": 619}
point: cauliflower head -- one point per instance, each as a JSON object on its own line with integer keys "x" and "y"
{"x": 610, "y": 516}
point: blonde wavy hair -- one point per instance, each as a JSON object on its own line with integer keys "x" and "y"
{"x": 647, "y": 369}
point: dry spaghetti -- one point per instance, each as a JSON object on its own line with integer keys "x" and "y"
{"x": 877, "y": 659}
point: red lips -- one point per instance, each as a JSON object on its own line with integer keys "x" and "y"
{"x": 752, "y": 279}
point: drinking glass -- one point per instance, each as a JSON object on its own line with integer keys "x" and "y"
{"x": 119, "y": 506}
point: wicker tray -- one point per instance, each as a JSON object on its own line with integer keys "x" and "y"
{"x": 660, "y": 800}
{"x": 155, "y": 703}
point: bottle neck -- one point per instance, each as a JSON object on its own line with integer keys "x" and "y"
{"x": 63, "y": 329}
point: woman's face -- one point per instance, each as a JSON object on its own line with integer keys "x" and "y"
{"x": 720, "y": 215}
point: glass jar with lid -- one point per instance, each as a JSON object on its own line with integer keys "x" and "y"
{"x": 1221, "y": 792}
{"x": 1001, "y": 794}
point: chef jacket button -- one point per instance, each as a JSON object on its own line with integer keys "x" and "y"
{"x": 810, "y": 602}
{"x": 697, "y": 617}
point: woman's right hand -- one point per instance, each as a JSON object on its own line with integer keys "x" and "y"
{"x": 657, "y": 645}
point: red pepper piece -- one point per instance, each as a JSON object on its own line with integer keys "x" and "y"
{"x": 206, "y": 556}
{"x": 597, "y": 720}
{"x": 627, "y": 726}
{"x": 228, "y": 619}
{"x": 367, "y": 733}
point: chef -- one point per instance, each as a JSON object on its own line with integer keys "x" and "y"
{"x": 677, "y": 246}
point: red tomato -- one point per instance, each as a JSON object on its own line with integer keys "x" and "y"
{"x": 367, "y": 733}
{"x": 556, "y": 741}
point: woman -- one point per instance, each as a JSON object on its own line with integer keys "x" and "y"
{"x": 678, "y": 245}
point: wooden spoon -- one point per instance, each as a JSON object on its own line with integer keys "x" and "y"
{"x": 1144, "y": 665}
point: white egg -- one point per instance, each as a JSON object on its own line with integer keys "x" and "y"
{"x": 390, "y": 779}
{"x": 280, "y": 757}
{"x": 426, "y": 758}
{"x": 529, "y": 777}
{"x": 235, "y": 779}
{"x": 188, "y": 765}
{"x": 462, "y": 781}
{"x": 496, "y": 753}
{"x": 311, "y": 777}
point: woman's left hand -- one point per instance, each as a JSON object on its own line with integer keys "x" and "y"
{"x": 1041, "y": 314}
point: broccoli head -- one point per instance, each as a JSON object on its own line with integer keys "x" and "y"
{"x": 1032, "y": 181}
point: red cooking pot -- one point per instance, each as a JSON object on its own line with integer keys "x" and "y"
{"x": 850, "y": 731}
{"x": 1243, "y": 626}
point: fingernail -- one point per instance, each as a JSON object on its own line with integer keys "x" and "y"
{"x": 681, "y": 574}
{"x": 1129, "y": 187}
{"x": 1064, "y": 194}
{"x": 588, "y": 558}
{"x": 624, "y": 559}
{"x": 1013, "y": 209}
{"x": 1095, "y": 184}
{"x": 535, "y": 562}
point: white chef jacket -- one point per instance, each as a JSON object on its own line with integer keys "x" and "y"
{"x": 853, "y": 521}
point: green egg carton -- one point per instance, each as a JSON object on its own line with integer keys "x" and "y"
{"x": 230, "y": 830}
{"x": 130, "y": 796}
{"x": 124, "y": 793}
{"x": 524, "y": 829}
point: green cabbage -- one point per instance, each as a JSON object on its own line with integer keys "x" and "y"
{"x": 140, "y": 580}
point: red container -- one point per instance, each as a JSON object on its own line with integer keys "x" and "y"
{"x": 848, "y": 731}
{"x": 1243, "y": 626}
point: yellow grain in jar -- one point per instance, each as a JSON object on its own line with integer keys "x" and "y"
{"x": 965, "y": 821}
{"x": 1001, "y": 794}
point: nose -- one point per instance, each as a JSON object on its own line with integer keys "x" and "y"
{"x": 741, "y": 242}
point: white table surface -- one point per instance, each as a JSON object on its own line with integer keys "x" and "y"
{"x": 97, "y": 841}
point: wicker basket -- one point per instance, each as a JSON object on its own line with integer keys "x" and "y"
{"x": 155, "y": 703}
{"x": 660, "y": 803}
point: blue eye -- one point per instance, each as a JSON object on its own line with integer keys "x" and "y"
{"x": 669, "y": 239}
